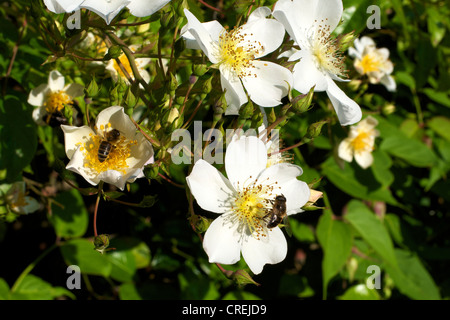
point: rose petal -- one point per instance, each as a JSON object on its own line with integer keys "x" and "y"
{"x": 221, "y": 242}
{"x": 144, "y": 8}
{"x": 347, "y": 110}
{"x": 235, "y": 95}
{"x": 56, "y": 81}
{"x": 37, "y": 95}
{"x": 244, "y": 160}
{"x": 209, "y": 187}
{"x": 257, "y": 253}
{"x": 73, "y": 136}
{"x": 268, "y": 84}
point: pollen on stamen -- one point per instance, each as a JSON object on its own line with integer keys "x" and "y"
{"x": 236, "y": 52}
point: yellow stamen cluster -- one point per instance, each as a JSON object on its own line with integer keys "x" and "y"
{"x": 362, "y": 142}
{"x": 56, "y": 100}
{"x": 251, "y": 205}
{"x": 237, "y": 52}
{"x": 369, "y": 63}
{"x": 326, "y": 51}
{"x": 117, "y": 158}
{"x": 126, "y": 64}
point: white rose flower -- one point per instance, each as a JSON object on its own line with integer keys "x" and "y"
{"x": 18, "y": 201}
{"x": 129, "y": 153}
{"x": 310, "y": 24}
{"x": 373, "y": 62}
{"x": 52, "y": 96}
{"x": 236, "y": 53}
{"x": 360, "y": 143}
{"x": 243, "y": 201}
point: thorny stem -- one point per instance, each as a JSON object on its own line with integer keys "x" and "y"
{"x": 170, "y": 181}
{"x": 209, "y": 6}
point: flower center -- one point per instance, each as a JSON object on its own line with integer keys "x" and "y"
{"x": 326, "y": 51}
{"x": 370, "y": 63}
{"x": 116, "y": 153}
{"x": 249, "y": 208}
{"x": 56, "y": 101}
{"x": 361, "y": 142}
{"x": 237, "y": 52}
{"x": 126, "y": 64}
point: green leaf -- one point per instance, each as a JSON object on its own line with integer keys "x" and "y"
{"x": 81, "y": 252}
{"x": 413, "y": 151}
{"x": 411, "y": 277}
{"x": 360, "y": 292}
{"x": 357, "y": 182}
{"x": 371, "y": 230}
{"x": 302, "y": 231}
{"x": 34, "y": 288}
{"x": 335, "y": 237}
{"x": 4, "y": 290}
{"x": 440, "y": 125}
{"x": 123, "y": 265}
{"x": 18, "y": 135}
{"x": 380, "y": 168}
{"x": 69, "y": 215}
{"x": 440, "y": 97}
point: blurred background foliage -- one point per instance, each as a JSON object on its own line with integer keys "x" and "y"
{"x": 394, "y": 215}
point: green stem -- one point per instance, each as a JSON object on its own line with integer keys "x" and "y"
{"x": 31, "y": 267}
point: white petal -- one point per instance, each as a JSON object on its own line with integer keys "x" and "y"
{"x": 74, "y": 90}
{"x": 283, "y": 178}
{"x": 76, "y": 164}
{"x": 144, "y": 8}
{"x": 364, "y": 159}
{"x": 73, "y": 136}
{"x": 352, "y": 52}
{"x": 298, "y": 17}
{"x": 55, "y": 81}
{"x": 389, "y": 83}
{"x": 31, "y": 206}
{"x": 105, "y": 9}
{"x": 267, "y": 32}
{"x": 38, "y": 115}
{"x": 60, "y": 6}
{"x": 348, "y": 111}
{"x": 345, "y": 151}
{"x": 37, "y": 95}
{"x": 116, "y": 178}
{"x": 235, "y": 95}
{"x": 118, "y": 119}
{"x": 257, "y": 253}
{"x": 244, "y": 160}
{"x": 306, "y": 75}
{"x": 202, "y": 35}
{"x": 214, "y": 28}
{"x": 268, "y": 84}
{"x": 259, "y": 13}
{"x": 209, "y": 187}
{"x": 221, "y": 242}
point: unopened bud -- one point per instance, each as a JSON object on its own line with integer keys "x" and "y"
{"x": 314, "y": 129}
{"x": 92, "y": 90}
{"x": 302, "y": 103}
{"x": 101, "y": 243}
{"x": 114, "y": 52}
{"x": 246, "y": 111}
{"x": 199, "y": 69}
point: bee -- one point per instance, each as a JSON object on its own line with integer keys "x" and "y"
{"x": 278, "y": 214}
{"x": 55, "y": 119}
{"x": 107, "y": 144}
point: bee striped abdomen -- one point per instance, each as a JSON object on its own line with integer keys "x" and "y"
{"x": 103, "y": 150}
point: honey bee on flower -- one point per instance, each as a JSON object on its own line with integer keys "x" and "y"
{"x": 99, "y": 155}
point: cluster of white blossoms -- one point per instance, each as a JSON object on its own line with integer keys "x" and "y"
{"x": 257, "y": 174}
{"x": 107, "y": 9}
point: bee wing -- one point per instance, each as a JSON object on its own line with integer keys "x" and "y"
{"x": 287, "y": 226}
